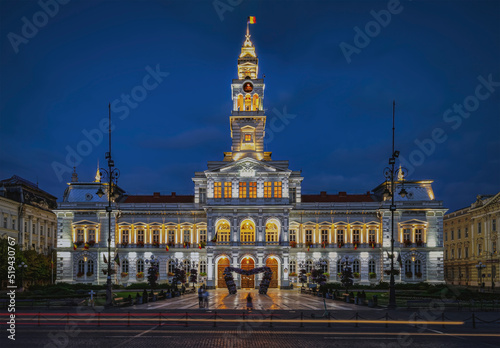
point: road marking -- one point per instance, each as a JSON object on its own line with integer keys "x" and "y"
{"x": 137, "y": 336}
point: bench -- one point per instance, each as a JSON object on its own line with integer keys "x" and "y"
{"x": 120, "y": 301}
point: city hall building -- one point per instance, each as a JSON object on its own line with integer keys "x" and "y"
{"x": 248, "y": 211}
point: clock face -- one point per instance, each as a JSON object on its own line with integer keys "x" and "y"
{"x": 248, "y": 87}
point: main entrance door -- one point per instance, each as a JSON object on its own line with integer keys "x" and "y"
{"x": 221, "y": 265}
{"x": 247, "y": 282}
{"x": 273, "y": 265}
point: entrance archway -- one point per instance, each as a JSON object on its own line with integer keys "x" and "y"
{"x": 221, "y": 265}
{"x": 272, "y": 263}
{"x": 247, "y": 281}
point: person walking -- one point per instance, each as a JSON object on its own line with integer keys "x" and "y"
{"x": 200, "y": 296}
{"x": 249, "y": 302}
{"x": 205, "y": 297}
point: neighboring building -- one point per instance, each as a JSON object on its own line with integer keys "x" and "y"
{"x": 26, "y": 213}
{"x": 471, "y": 243}
{"x": 249, "y": 211}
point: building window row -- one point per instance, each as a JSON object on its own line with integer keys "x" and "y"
{"x": 272, "y": 189}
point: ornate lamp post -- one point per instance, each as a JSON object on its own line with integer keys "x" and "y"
{"x": 112, "y": 174}
{"x": 390, "y": 173}
{"x": 480, "y": 266}
{"x": 22, "y": 267}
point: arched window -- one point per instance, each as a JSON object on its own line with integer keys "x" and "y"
{"x": 240, "y": 103}
{"x": 81, "y": 267}
{"x": 256, "y": 102}
{"x": 372, "y": 267}
{"x": 247, "y": 233}
{"x": 223, "y": 231}
{"x": 90, "y": 267}
{"x": 339, "y": 266}
{"x": 418, "y": 267}
{"x": 171, "y": 266}
{"x": 293, "y": 267}
{"x": 272, "y": 232}
{"x": 203, "y": 267}
{"x": 187, "y": 266}
{"x": 140, "y": 265}
{"x": 323, "y": 266}
{"x": 408, "y": 270}
{"x": 355, "y": 266}
{"x": 309, "y": 266}
{"x": 125, "y": 266}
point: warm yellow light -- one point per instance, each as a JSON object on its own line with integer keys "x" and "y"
{"x": 85, "y": 258}
{"x": 413, "y": 258}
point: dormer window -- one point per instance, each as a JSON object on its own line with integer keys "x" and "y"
{"x": 248, "y": 138}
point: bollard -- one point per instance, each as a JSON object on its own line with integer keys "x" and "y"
{"x": 329, "y": 322}
{"x": 473, "y": 321}
{"x": 442, "y": 319}
{"x": 128, "y": 323}
{"x": 386, "y": 319}
{"x": 301, "y": 318}
{"x": 38, "y": 318}
{"x": 215, "y": 319}
{"x": 186, "y": 325}
{"x": 356, "y": 320}
{"x": 271, "y": 320}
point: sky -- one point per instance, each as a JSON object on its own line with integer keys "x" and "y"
{"x": 332, "y": 70}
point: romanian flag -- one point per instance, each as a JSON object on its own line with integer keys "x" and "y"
{"x": 52, "y": 264}
{"x": 86, "y": 246}
{"x": 214, "y": 239}
{"x": 184, "y": 244}
{"x": 199, "y": 245}
{"x": 251, "y": 20}
{"x": 74, "y": 246}
{"x": 105, "y": 260}
{"x": 117, "y": 259}
{"x": 307, "y": 248}
{"x": 167, "y": 248}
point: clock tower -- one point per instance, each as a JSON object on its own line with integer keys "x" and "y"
{"x": 247, "y": 120}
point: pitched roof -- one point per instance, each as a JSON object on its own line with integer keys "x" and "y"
{"x": 340, "y": 197}
{"x": 158, "y": 198}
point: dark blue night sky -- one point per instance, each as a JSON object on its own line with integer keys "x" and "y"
{"x": 434, "y": 58}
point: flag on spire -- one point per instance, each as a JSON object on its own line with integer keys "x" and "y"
{"x": 251, "y": 20}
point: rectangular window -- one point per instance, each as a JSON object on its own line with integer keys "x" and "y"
{"x": 203, "y": 236}
{"x": 478, "y": 227}
{"x": 5, "y": 222}
{"x": 277, "y": 189}
{"x": 25, "y": 227}
{"x": 228, "y": 189}
{"x": 459, "y": 234}
{"x": 459, "y": 253}
{"x": 293, "y": 236}
{"x": 156, "y": 236}
{"x": 79, "y": 235}
{"x": 452, "y": 235}
{"x": 452, "y": 253}
{"x": 248, "y": 137}
{"x": 252, "y": 190}
{"x": 446, "y": 236}
{"x": 466, "y": 249}
{"x": 124, "y": 236}
{"x": 494, "y": 247}
{"x": 371, "y": 236}
{"x": 466, "y": 232}
{"x": 494, "y": 225}
{"x": 355, "y": 236}
{"x": 293, "y": 267}
{"x": 243, "y": 190}
{"x": 217, "y": 190}
{"x": 340, "y": 236}
{"x": 406, "y": 235}
{"x": 292, "y": 192}
{"x": 203, "y": 195}
{"x": 268, "y": 189}
{"x": 140, "y": 236}
{"x": 41, "y": 231}
{"x": 187, "y": 236}
{"x": 171, "y": 236}
{"x": 324, "y": 236}
{"x": 309, "y": 235}
{"x": 13, "y": 224}
{"x": 92, "y": 235}
{"x": 203, "y": 267}
{"x": 479, "y": 249}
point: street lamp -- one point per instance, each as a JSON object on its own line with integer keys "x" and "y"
{"x": 480, "y": 266}
{"x": 390, "y": 173}
{"x": 22, "y": 267}
{"x": 112, "y": 174}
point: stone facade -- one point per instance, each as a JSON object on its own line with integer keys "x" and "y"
{"x": 471, "y": 240}
{"x": 249, "y": 211}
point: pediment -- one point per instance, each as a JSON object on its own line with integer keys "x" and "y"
{"x": 85, "y": 222}
{"x": 248, "y": 167}
{"x": 413, "y": 222}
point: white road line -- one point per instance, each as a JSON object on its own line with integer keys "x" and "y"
{"x": 137, "y": 336}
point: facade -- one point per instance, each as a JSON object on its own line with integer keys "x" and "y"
{"x": 248, "y": 211}
{"x": 26, "y": 213}
{"x": 471, "y": 240}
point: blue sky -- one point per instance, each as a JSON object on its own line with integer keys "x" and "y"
{"x": 430, "y": 57}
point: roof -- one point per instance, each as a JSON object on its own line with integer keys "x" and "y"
{"x": 158, "y": 198}
{"x": 340, "y": 197}
{"x": 18, "y": 181}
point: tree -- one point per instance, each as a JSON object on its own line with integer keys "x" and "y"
{"x": 153, "y": 274}
{"x": 303, "y": 276}
{"x": 193, "y": 276}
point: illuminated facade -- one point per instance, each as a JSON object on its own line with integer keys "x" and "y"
{"x": 471, "y": 241}
{"x": 249, "y": 211}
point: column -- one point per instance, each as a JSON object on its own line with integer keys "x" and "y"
{"x": 46, "y": 229}
{"x": 37, "y": 247}
{"x": 286, "y": 264}
{"x": 235, "y": 228}
{"x": 30, "y": 231}
{"x": 210, "y": 270}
